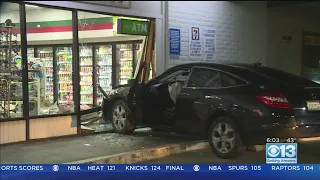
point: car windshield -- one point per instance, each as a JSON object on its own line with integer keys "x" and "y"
{"x": 286, "y": 78}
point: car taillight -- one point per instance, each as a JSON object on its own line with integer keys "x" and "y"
{"x": 276, "y": 100}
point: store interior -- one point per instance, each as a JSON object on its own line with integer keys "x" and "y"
{"x": 106, "y": 58}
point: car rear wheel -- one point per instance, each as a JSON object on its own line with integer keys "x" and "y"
{"x": 224, "y": 138}
{"x": 119, "y": 118}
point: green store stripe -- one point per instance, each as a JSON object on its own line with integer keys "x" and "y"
{"x": 67, "y": 22}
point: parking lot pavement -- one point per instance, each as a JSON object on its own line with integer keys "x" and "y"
{"x": 79, "y": 148}
{"x": 308, "y": 153}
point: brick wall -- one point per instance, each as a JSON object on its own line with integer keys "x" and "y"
{"x": 240, "y": 28}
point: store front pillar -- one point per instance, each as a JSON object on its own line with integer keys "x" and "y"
{"x": 76, "y": 67}
{"x": 24, "y": 56}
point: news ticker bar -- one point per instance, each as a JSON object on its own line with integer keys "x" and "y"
{"x": 12, "y": 168}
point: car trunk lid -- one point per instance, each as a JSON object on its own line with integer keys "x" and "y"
{"x": 305, "y": 102}
{"x": 302, "y": 94}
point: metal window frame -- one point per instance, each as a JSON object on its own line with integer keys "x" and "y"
{"x": 76, "y": 68}
{"x": 24, "y": 57}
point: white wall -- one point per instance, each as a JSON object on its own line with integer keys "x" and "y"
{"x": 152, "y": 9}
{"x": 240, "y": 28}
{"x": 289, "y": 21}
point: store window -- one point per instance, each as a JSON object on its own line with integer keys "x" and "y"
{"x": 107, "y": 59}
{"x": 49, "y": 35}
{"x": 11, "y": 94}
{"x": 311, "y": 56}
{"x": 95, "y": 57}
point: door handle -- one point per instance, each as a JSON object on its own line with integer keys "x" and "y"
{"x": 211, "y": 97}
{"x": 184, "y": 94}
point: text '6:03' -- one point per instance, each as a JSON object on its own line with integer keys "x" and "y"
{"x": 273, "y": 140}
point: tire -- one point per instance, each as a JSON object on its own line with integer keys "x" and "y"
{"x": 119, "y": 118}
{"x": 232, "y": 149}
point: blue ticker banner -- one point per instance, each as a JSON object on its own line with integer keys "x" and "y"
{"x": 156, "y": 171}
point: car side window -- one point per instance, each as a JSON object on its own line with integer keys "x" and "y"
{"x": 202, "y": 77}
{"x": 229, "y": 80}
{"x": 179, "y": 75}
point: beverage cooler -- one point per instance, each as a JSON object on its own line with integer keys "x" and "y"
{"x": 111, "y": 64}
{"x": 64, "y": 74}
{"x": 136, "y": 55}
{"x": 124, "y": 63}
{"x": 86, "y": 76}
{"x": 103, "y": 57}
{"x": 46, "y": 56}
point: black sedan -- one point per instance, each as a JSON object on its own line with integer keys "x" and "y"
{"x": 229, "y": 104}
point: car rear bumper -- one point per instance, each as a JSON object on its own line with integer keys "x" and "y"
{"x": 280, "y": 128}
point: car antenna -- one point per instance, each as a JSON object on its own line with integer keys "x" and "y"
{"x": 258, "y": 64}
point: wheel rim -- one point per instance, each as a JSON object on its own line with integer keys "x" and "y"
{"x": 119, "y": 117}
{"x": 223, "y": 137}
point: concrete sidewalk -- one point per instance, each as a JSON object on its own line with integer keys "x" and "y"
{"x": 87, "y": 147}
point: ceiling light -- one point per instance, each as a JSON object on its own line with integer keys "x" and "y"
{"x": 28, "y": 5}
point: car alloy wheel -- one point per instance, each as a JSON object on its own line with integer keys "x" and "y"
{"x": 119, "y": 117}
{"x": 223, "y": 137}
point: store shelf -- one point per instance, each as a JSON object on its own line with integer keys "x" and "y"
{"x": 125, "y": 49}
{"x": 62, "y": 91}
{"x": 45, "y": 52}
{"x": 126, "y": 59}
{"x": 86, "y": 103}
{"x": 63, "y": 53}
{"x": 65, "y": 62}
{"x": 86, "y": 93}
{"x": 64, "y": 73}
{"x": 86, "y": 74}
{"x": 103, "y": 53}
{"x": 63, "y": 102}
{"x": 86, "y": 84}
{"x": 125, "y": 68}
{"x": 104, "y": 64}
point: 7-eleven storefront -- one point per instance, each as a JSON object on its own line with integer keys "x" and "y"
{"x": 63, "y": 51}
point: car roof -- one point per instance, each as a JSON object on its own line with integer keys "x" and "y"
{"x": 258, "y": 74}
{"x": 216, "y": 65}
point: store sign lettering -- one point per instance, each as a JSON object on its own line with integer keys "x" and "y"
{"x": 133, "y": 27}
{"x": 139, "y": 28}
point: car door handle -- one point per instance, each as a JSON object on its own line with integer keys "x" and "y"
{"x": 184, "y": 94}
{"x": 211, "y": 97}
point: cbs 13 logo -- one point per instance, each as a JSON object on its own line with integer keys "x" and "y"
{"x": 282, "y": 150}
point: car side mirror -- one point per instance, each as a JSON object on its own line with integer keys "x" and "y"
{"x": 131, "y": 82}
{"x": 186, "y": 73}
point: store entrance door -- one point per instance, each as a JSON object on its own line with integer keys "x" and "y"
{"x": 311, "y": 56}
